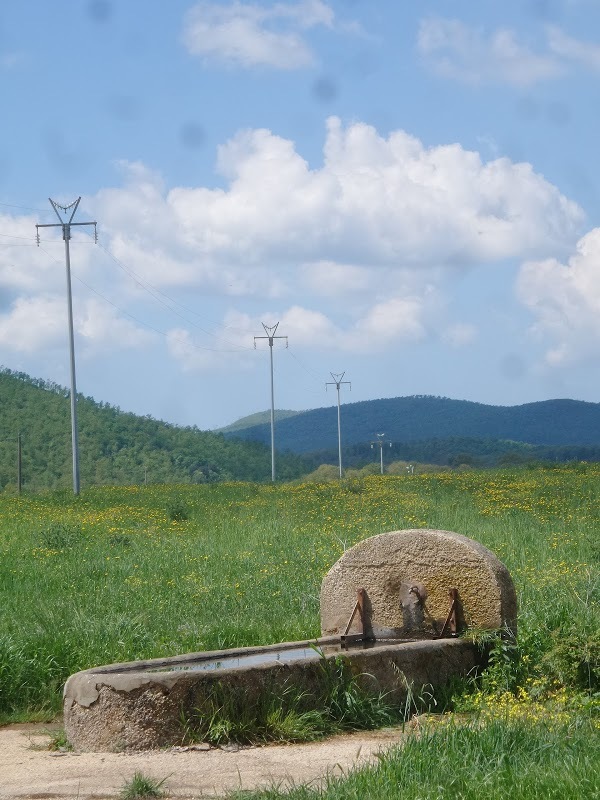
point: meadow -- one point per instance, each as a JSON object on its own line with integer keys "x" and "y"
{"x": 136, "y": 572}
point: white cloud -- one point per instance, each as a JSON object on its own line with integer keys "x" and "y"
{"x": 34, "y": 323}
{"x": 393, "y": 322}
{"x": 23, "y": 266}
{"x": 102, "y": 330}
{"x": 399, "y": 319}
{"x": 38, "y": 323}
{"x": 459, "y": 334}
{"x": 231, "y": 346}
{"x": 565, "y": 299}
{"x": 455, "y": 50}
{"x": 348, "y": 249}
{"x": 329, "y": 279}
{"x": 375, "y": 202}
{"x": 191, "y": 357}
{"x": 251, "y": 35}
{"x": 573, "y": 49}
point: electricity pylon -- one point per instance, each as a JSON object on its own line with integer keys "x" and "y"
{"x": 270, "y": 331}
{"x": 337, "y": 382}
{"x": 66, "y": 225}
{"x": 380, "y": 442}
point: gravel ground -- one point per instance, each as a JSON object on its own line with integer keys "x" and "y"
{"x": 29, "y": 770}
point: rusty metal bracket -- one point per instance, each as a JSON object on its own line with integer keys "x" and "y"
{"x": 451, "y": 624}
{"x": 359, "y": 608}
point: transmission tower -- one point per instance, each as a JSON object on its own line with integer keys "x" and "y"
{"x": 270, "y": 335}
{"x": 66, "y": 224}
{"x": 337, "y": 382}
{"x": 380, "y": 442}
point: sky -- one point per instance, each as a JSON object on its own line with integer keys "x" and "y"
{"x": 409, "y": 190}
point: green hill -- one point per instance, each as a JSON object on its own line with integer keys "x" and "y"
{"x": 260, "y": 418}
{"x": 404, "y": 420}
{"x": 115, "y": 447}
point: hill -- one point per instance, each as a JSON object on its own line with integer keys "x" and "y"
{"x": 115, "y": 447}
{"x": 420, "y": 418}
{"x": 260, "y": 418}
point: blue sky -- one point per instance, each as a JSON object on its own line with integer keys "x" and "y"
{"x": 409, "y": 189}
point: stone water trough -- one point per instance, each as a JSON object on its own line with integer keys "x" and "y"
{"x": 393, "y": 607}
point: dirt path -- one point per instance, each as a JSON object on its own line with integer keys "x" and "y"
{"x": 29, "y": 771}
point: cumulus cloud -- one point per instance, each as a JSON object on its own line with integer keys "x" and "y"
{"x": 39, "y": 323}
{"x": 565, "y": 300}
{"x": 23, "y": 266}
{"x": 33, "y": 323}
{"x": 375, "y": 202}
{"x": 230, "y": 344}
{"x": 391, "y": 322}
{"x": 253, "y": 35}
{"x": 101, "y": 328}
{"x": 456, "y": 50}
{"x": 329, "y": 279}
{"x": 347, "y": 248}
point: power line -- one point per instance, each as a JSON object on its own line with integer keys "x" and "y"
{"x": 140, "y": 321}
{"x": 11, "y": 236}
{"x": 154, "y": 291}
{"x": 25, "y": 208}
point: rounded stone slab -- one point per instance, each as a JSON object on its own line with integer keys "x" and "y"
{"x": 408, "y": 575}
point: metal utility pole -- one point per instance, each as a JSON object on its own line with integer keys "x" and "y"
{"x": 337, "y": 382}
{"x": 270, "y": 331}
{"x": 66, "y": 224}
{"x": 380, "y": 443}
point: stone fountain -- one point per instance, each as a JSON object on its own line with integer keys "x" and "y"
{"x": 394, "y": 607}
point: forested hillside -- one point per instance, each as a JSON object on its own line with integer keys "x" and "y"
{"x": 115, "y": 447}
{"x": 457, "y": 452}
{"x": 420, "y": 419}
{"x": 260, "y": 418}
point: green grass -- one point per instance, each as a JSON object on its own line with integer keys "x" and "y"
{"x": 133, "y": 572}
{"x": 141, "y": 787}
{"x": 500, "y": 760}
{"x": 125, "y": 573}
{"x": 291, "y": 715}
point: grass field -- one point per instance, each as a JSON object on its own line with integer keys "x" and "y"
{"x": 126, "y": 573}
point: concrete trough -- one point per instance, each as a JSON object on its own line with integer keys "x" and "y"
{"x": 392, "y": 608}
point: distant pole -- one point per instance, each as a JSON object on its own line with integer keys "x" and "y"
{"x": 380, "y": 442}
{"x": 337, "y": 382}
{"x": 270, "y": 331}
{"x": 19, "y": 471}
{"x": 66, "y": 232}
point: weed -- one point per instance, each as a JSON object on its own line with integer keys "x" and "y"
{"x": 274, "y": 714}
{"x": 574, "y": 658}
{"x": 140, "y": 787}
{"x": 354, "y": 484}
{"x": 177, "y": 511}
{"x": 58, "y": 741}
{"x": 289, "y": 713}
{"x": 61, "y": 536}
{"x": 347, "y": 704}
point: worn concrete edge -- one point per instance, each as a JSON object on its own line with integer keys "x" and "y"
{"x": 84, "y": 687}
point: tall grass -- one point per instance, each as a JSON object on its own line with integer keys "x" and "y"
{"x": 139, "y": 572}
{"x": 500, "y": 760}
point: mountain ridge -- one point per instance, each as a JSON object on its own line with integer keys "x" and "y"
{"x": 423, "y": 417}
